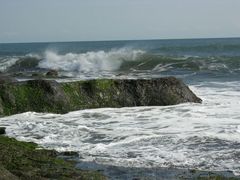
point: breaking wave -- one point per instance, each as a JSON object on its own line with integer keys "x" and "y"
{"x": 90, "y": 61}
{"x": 123, "y": 60}
{"x": 28, "y": 62}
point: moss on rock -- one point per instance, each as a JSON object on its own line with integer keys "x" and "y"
{"x": 37, "y": 95}
{"x": 50, "y": 96}
{"x": 26, "y": 161}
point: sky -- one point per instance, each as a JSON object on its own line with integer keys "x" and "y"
{"x": 94, "y": 20}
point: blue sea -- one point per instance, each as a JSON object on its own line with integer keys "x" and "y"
{"x": 187, "y": 136}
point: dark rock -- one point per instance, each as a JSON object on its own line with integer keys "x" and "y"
{"x": 2, "y": 130}
{"x": 37, "y": 75}
{"x": 6, "y": 175}
{"x": 18, "y": 74}
{"x": 155, "y": 92}
{"x": 51, "y": 96}
{"x": 69, "y": 153}
{"x": 52, "y": 73}
{"x": 127, "y": 93}
{"x": 156, "y": 173}
{"x": 33, "y": 95}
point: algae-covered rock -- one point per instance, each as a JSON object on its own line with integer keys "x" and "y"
{"x": 6, "y": 175}
{"x": 51, "y": 96}
{"x": 33, "y": 95}
{"x": 127, "y": 93}
{"x": 24, "y": 161}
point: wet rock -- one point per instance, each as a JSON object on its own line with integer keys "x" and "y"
{"x": 128, "y": 93}
{"x": 2, "y": 130}
{"x": 34, "y": 95}
{"x": 26, "y": 161}
{"x": 37, "y": 75}
{"x": 69, "y": 153}
{"x": 6, "y": 175}
{"x": 18, "y": 74}
{"x": 156, "y": 173}
{"x": 51, "y": 96}
{"x": 52, "y": 73}
{"x": 154, "y": 92}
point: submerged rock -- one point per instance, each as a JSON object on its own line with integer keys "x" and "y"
{"x": 52, "y": 73}
{"x": 51, "y": 96}
{"x": 156, "y": 173}
{"x": 69, "y": 153}
{"x": 38, "y": 75}
{"x": 2, "y": 130}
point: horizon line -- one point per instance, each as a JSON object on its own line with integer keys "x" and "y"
{"x": 151, "y": 39}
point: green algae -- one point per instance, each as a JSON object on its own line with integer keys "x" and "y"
{"x": 22, "y": 97}
{"x": 26, "y": 161}
{"x": 50, "y": 96}
{"x": 90, "y": 94}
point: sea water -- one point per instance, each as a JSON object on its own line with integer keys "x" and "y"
{"x": 197, "y": 136}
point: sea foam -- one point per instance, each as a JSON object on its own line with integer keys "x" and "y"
{"x": 89, "y": 61}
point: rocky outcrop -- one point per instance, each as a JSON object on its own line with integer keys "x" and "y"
{"x": 50, "y": 96}
{"x": 34, "y": 95}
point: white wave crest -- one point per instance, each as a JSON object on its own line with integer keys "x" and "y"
{"x": 89, "y": 61}
{"x": 7, "y": 62}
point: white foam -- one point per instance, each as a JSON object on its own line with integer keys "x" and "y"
{"x": 204, "y": 136}
{"x": 7, "y": 62}
{"x": 89, "y": 61}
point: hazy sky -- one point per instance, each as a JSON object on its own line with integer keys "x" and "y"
{"x": 73, "y": 20}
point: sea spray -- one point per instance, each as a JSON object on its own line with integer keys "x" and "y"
{"x": 89, "y": 61}
{"x": 122, "y": 63}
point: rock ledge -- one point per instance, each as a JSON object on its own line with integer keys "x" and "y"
{"x": 51, "y": 96}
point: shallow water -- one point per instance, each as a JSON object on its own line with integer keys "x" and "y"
{"x": 198, "y": 136}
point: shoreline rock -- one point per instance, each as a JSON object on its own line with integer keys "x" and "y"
{"x": 24, "y": 160}
{"x": 51, "y": 96}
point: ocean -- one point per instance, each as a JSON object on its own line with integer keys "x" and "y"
{"x": 187, "y": 136}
